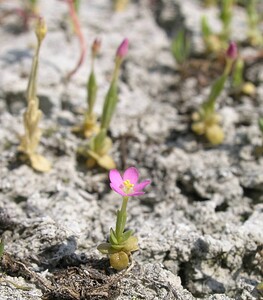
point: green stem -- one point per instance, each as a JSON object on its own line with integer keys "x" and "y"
{"x": 124, "y": 204}
{"x": 121, "y": 219}
{"x": 32, "y": 84}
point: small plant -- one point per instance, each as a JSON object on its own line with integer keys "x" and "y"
{"x": 122, "y": 243}
{"x": 226, "y": 15}
{"x": 90, "y": 126}
{"x": 259, "y": 148}
{"x": 207, "y": 121}
{"x": 2, "y": 247}
{"x": 181, "y": 48}
{"x": 30, "y": 140}
{"x": 100, "y": 144}
{"x": 238, "y": 83}
{"x": 216, "y": 42}
{"x": 254, "y": 34}
{"x": 120, "y": 5}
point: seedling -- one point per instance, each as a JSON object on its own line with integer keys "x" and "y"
{"x": 216, "y": 42}
{"x": 30, "y": 140}
{"x": 226, "y": 15}
{"x": 259, "y": 149}
{"x": 120, "y": 5}
{"x": 181, "y": 48}
{"x": 100, "y": 144}
{"x": 207, "y": 121}
{"x": 90, "y": 125}
{"x": 254, "y": 35}
{"x": 122, "y": 243}
{"x": 238, "y": 83}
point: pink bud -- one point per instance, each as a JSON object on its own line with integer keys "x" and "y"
{"x": 96, "y": 46}
{"x": 123, "y": 49}
{"x": 232, "y": 50}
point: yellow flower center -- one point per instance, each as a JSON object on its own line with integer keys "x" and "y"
{"x": 127, "y": 186}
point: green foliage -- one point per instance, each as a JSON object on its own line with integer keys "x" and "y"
{"x": 92, "y": 92}
{"x": 237, "y": 77}
{"x": 254, "y": 34}
{"x": 226, "y": 14}
{"x": 260, "y": 124}
{"x": 2, "y": 247}
{"x": 209, "y": 105}
{"x": 109, "y": 105}
{"x": 181, "y": 47}
{"x": 206, "y": 30}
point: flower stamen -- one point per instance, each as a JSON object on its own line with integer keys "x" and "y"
{"x": 128, "y": 186}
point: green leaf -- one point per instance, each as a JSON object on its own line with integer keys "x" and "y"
{"x": 209, "y": 105}
{"x": 99, "y": 141}
{"x": 104, "y": 248}
{"x": 260, "y": 124}
{"x": 126, "y": 235}
{"x": 260, "y": 287}
{"x": 117, "y": 247}
{"x": 109, "y": 105}
{"x": 237, "y": 77}
{"x": 206, "y": 30}
{"x": 113, "y": 238}
{"x": 2, "y": 247}
{"x": 181, "y": 47}
{"x": 92, "y": 91}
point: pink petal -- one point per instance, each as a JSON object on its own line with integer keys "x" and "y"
{"x": 115, "y": 177}
{"x": 141, "y": 186}
{"x": 131, "y": 174}
{"x": 117, "y": 189}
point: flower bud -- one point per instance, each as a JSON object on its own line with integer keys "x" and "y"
{"x": 214, "y": 134}
{"x": 232, "y": 51}
{"x": 249, "y": 88}
{"x": 123, "y": 49}
{"x": 96, "y": 47}
{"x": 41, "y": 29}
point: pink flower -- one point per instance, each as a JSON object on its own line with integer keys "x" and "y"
{"x": 127, "y": 185}
{"x": 232, "y": 50}
{"x": 123, "y": 49}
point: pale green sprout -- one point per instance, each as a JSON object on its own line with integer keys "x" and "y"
{"x": 181, "y": 48}
{"x": 238, "y": 83}
{"x": 100, "y": 144}
{"x": 30, "y": 140}
{"x": 206, "y": 121}
{"x": 211, "y": 40}
{"x": 90, "y": 125}
{"x": 258, "y": 151}
{"x": 2, "y": 248}
{"x": 120, "y": 5}
{"x": 217, "y": 42}
{"x": 226, "y": 16}
{"x": 254, "y": 34}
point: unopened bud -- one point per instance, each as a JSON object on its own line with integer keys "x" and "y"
{"x": 123, "y": 49}
{"x": 232, "y": 51}
{"x": 96, "y": 47}
{"x": 248, "y": 88}
{"x": 214, "y": 134}
{"x": 41, "y": 29}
